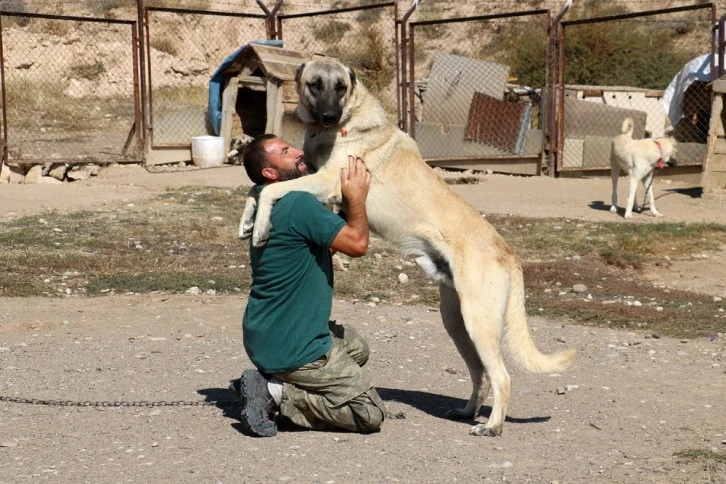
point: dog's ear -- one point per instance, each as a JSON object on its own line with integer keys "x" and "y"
{"x": 298, "y": 72}
{"x": 353, "y": 78}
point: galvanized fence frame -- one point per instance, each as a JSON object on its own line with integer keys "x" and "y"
{"x": 589, "y": 151}
{"x": 100, "y": 141}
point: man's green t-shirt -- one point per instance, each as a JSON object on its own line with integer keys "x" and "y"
{"x": 285, "y": 324}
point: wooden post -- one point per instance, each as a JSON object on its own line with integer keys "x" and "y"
{"x": 229, "y": 101}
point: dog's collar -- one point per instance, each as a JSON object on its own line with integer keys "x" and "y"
{"x": 660, "y": 151}
{"x": 342, "y": 131}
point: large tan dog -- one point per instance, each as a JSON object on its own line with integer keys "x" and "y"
{"x": 479, "y": 276}
{"x": 638, "y": 158}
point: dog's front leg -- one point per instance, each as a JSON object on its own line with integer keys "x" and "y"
{"x": 648, "y": 184}
{"x": 320, "y": 185}
{"x": 247, "y": 221}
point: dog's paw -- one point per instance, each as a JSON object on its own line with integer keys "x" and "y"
{"x": 259, "y": 237}
{"x": 613, "y": 209}
{"x": 483, "y": 430}
{"x": 628, "y": 215}
{"x": 245, "y": 230}
{"x": 656, "y": 213}
{"x": 258, "y": 241}
{"x": 260, "y": 234}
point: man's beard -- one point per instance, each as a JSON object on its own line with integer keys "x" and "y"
{"x": 291, "y": 174}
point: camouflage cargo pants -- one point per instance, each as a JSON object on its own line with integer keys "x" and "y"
{"x": 332, "y": 392}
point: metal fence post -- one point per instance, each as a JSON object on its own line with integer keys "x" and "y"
{"x": 4, "y": 157}
{"x": 141, "y": 127}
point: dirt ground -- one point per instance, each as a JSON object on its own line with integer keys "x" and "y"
{"x": 628, "y": 405}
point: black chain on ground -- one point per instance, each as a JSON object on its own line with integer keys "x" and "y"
{"x": 72, "y": 403}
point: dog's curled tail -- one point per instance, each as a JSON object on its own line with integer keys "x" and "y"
{"x": 627, "y": 127}
{"x": 519, "y": 340}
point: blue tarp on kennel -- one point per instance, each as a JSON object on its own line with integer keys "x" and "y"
{"x": 219, "y": 80}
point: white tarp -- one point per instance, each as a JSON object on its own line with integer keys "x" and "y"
{"x": 699, "y": 69}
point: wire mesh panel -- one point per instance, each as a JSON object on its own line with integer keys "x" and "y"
{"x": 69, "y": 89}
{"x": 185, "y": 47}
{"x": 360, "y": 37}
{"x": 653, "y": 67}
{"x": 475, "y": 85}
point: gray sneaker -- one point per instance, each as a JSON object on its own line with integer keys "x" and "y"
{"x": 258, "y": 404}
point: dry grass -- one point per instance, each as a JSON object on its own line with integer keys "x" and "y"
{"x": 164, "y": 44}
{"x": 373, "y": 60}
{"x": 188, "y": 238}
{"x": 175, "y": 97}
{"x": 91, "y": 71}
{"x": 35, "y": 104}
{"x": 331, "y": 32}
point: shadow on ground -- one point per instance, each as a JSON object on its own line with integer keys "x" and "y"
{"x": 437, "y": 405}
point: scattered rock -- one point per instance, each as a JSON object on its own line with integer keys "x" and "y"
{"x": 82, "y": 172}
{"x": 579, "y": 288}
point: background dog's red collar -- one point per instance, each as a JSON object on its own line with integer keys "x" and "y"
{"x": 660, "y": 150}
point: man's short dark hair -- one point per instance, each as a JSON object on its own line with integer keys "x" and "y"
{"x": 254, "y": 158}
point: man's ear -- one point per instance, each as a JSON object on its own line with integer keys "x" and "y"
{"x": 269, "y": 174}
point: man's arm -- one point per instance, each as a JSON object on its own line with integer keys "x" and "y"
{"x": 352, "y": 240}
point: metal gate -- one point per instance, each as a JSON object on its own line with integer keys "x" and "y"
{"x": 178, "y": 85}
{"x": 650, "y": 66}
{"x": 482, "y": 99}
{"x": 69, "y": 90}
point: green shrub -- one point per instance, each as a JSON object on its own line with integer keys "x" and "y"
{"x": 623, "y": 53}
{"x": 634, "y": 52}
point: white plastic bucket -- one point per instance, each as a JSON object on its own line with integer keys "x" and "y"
{"x": 208, "y": 150}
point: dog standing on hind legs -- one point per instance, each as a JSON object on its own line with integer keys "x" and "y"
{"x": 638, "y": 158}
{"x": 480, "y": 278}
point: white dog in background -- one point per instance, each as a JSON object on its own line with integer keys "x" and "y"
{"x": 639, "y": 159}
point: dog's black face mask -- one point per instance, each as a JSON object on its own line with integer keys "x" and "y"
{"x": 325, "y": 89}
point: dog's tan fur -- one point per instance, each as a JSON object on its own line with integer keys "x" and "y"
{"x": 480, "y": 278}
{"x": 638, "y": 158}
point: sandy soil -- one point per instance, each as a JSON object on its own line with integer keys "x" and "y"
{"x": 628, "y": 404}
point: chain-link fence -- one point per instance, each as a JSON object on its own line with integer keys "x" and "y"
{"x": 653, "y": 67}
{"x": 361, "y": 37}
{"x": 69, "y": 89}
{"x": 475, "y": 84}
{"x": 184, "y": 48}
{"x": 464, "y": 85}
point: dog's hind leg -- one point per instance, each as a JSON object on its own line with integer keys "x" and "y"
{"x": 648, "y": 185}
{"x": 483, "y": 298}
{"x": 614, "y": 174}
{"x": 632, "y": 203}
{"x": 454, "y": 324}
